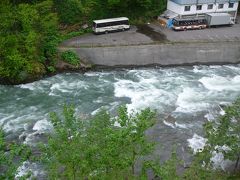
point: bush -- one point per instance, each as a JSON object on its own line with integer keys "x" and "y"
{"x": 51, "y": 69}
{"x": 68, "y": 35}
{"x": 70, "y": 57}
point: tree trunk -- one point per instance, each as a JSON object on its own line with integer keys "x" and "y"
{"x": 133, "y": 163}
{"x": 236, "y": 165}
{"x": 74, "y": 171}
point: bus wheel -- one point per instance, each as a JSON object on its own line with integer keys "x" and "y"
{"x": 123, "y": 29}
{"x": 106, "y": 32}
{"x": 200, "y": 27}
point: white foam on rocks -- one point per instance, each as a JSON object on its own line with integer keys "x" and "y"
{"x": 220, "y": 83}
{"x": 42, "y": 125}
{"x": 197, "y": 143}
{"x": 191, "y": 100}
{"x": 29, "y": 167}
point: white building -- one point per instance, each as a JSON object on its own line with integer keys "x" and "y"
{"x": 184, "y": 8}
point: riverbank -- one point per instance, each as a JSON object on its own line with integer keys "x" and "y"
{"x": 60, "y": 67}
{"x": 162, "y": 54}
{"x": 153, "y": 45}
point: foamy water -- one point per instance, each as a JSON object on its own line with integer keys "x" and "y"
{"x": 182, "y": 92}
{"x": 184, "y": 97}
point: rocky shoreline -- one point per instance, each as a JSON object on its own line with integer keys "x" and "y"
{"x": 61, "y": 67}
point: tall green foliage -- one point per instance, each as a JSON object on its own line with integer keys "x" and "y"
{"x": 82, "y": 11}
{"x": 29, "y": 29}
{"x": 25, "y": 29}
{"x": 69, "y": 11}
{"x": 97, "y": 148}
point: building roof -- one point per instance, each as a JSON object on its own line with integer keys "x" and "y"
{"x": 111, "y": 20}
{"x": 169, "y": 14}
{"x": 218, "y": 14}
{"x": 190, "y": 2}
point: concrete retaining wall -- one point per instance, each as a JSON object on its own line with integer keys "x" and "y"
{"x": 163, "y": 54}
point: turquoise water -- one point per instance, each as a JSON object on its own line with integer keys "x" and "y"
{"x": 184, "y": 97}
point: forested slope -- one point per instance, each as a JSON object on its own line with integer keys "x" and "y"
{"x": 31, "y": 30}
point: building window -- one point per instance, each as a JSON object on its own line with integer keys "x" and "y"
{"x": 199, "y": 7}
{"x": 220, "y": 6}
{"x": 230, "y": 5}
{"x": 187, "y": 8}
{"x": 210, "y": 6}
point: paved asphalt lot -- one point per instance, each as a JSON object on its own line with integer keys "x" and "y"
{"x": 116, "y": 38}
{"x": 151, "y": 33}
{"x": 212, "y": 34}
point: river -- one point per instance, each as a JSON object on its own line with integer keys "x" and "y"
{"x": 184, "y": 97}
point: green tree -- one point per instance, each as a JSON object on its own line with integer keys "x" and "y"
{"x": 11, "y": 156}
{"x": 25, "y": 31}
{"x": 201, "y": 168}
{"x": 224, "y": 134}
{"x": 69, "y": 11}
{"x": 167, "y": 170}
{"x": 222, "y": 137}
{"x": 133, "y": 127}
{"x": 97, "y": 148}
{"x": 82, "y": 11}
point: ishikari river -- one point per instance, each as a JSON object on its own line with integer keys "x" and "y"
{"x": 184, "y": 98}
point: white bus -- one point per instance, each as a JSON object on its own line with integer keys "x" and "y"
{"x": 108, "y": 25}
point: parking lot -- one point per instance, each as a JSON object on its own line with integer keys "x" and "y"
{"x": 153, "y": 32}
{"x": 129, "y": 37}
{"x": 212, "y": 34}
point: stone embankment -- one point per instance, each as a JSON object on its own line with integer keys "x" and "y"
{"x": 153, "y": 45}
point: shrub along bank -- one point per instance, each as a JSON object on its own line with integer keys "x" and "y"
{"x": 30, "y": 31}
